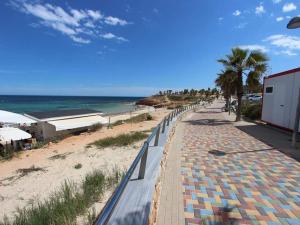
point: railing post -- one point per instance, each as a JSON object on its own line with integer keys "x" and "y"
{"x": 164, "y": 126}
{"x": 157, "y": 136}
{"x": 143, "y": 162}
{"x": 168, "y": 121}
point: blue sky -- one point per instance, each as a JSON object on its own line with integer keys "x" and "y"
{"x": 135, "y": 47}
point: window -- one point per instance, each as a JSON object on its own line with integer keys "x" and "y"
{"x": 269, "y": 90}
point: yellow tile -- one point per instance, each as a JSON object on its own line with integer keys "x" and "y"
{"x": 233, "y": 202}
{"x": 290, "y": 213}
{"x": 192, "y": 201}
{"x": 271, "y": 215}
{"x": 188, "y": 215}
{"x": 208, "y": 205}
{"x": 249, "y": 200}
{"x": 236, "y": 215}
{"x": 203, "y": 195}
{"x": 232, "y": 187}
{"x": 218, "y": 199}
{"x": 252, "y": 212}
{"x": 218, "y": 188}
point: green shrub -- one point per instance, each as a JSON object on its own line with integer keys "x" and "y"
{"x": 6, "y": 152}
{"x": 176, "y": 97}
{"x": 252, "y": 110}
{"x": 78, "y": 166}
{"x": 134, "y": 119}
{"x": 121, "y": 140}
{"x": 95, "y": 127}
{"x": 64, "y": 205}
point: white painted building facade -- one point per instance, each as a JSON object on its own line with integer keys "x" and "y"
{"x": 280, "y": 98}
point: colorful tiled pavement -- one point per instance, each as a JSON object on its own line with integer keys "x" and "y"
{"x": 262, "y": 182}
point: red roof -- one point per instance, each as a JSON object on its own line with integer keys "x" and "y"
{"x": 284, "y": 73}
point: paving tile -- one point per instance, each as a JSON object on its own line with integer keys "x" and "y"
{"x": 260, "y": 181}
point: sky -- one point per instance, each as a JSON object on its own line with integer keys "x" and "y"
{"x": 135, "y": 47}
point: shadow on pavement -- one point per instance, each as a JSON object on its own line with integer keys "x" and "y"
{"x": 222, "y": 153}
{"x": 272, "y": 137}
{"x": 208, "y": 122}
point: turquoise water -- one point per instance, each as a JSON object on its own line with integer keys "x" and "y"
{"x": 23, "y": 104}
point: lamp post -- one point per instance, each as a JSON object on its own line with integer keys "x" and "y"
{"x": 293, "y": 24}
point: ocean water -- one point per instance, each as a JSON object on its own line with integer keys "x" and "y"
{"x": 23, "y": 104}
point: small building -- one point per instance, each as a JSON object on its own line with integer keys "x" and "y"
{"x": 51, "y": 124}
{"x": 15, "y": 138}
{"x": 14, "y": 119}
{"x": 280, "y": 98}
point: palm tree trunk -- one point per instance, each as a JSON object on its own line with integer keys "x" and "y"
{"x": 239, "y": 95}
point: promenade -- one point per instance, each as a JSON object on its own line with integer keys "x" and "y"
{"x": 211, "y": 163}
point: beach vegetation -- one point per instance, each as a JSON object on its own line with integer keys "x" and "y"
{"x": 60, "y": 156}
{"x": 70, "y": 201}
{"x": 78, "y": 166}
{"x": 25, "y": 171}
{"x": 6, "y": 152}
{"x": 95, "y": 127}
{"x": 252, "y": 110}
{"x": 119, "y": 141}
{"x": 135, "y": 119}
{"x": 240, "y": 63}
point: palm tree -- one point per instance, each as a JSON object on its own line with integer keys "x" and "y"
{"x": 227, "y": 82}
{"x": 244, "y": 62}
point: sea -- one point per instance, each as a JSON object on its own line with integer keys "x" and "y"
{"x": 107, "y": 105}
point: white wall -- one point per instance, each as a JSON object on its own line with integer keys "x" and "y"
{"x": 279, "y": 108}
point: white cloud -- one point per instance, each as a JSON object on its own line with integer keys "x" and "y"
{"x": 287, "y": 44}
{"x": 288, "y": 52}
{"x": 80, "y": 40}
{"x": 254, "y": 48}
{"x": 220, "y": 19}
{"x": 115, "y": 21}
{"x": 155, "y": 10}
{"x": 236, "y": 13}
{"x": 112, "y": 36}
{"x": 276, "y": 1}
{"x": 96, "y": 15}
{"x": 62, "y": 28}
{"x": 288, "y": 7}
{"x": 241, "y": 25}
{"x": 260, "y": 10}
{"x": 278, "y": 19}
{"x": 78, "y": 24}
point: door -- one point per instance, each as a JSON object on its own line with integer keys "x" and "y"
{"x": 279, "y": 105}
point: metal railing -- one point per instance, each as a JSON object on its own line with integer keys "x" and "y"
{"x": 142, "y": 158}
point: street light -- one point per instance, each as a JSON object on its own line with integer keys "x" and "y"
{"x": 294, "y": 23}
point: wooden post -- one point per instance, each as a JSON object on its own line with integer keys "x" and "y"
{"x": 296, "y": 123}
{"x": 143, "y": 162}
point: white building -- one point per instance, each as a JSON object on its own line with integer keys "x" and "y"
{"x": 14, "y": 119}
{"x": 57, "y": 123}
{"x": 280, "y": 98}
{"x": 14, "y": 137}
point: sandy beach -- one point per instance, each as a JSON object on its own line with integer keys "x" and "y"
{"x": 16, "y": 191}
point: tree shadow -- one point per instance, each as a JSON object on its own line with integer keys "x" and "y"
{"x": 223, "y": 153}
{"x": 133, "y": 218}
{"x": 208, "y": 122}
{"x": 278, "y": 139}
{"x": 210, "y": 112}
